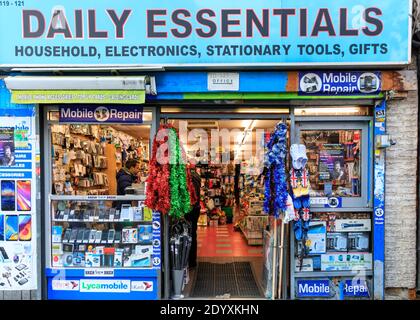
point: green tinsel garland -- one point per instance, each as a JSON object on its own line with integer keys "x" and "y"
{"x": 180, "y": 197}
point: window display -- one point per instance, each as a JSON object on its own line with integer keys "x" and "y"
{"x": 86, "y": 158}
{"x": 334, "y": 162}
{"x": 94, "y": 233}
{"x": 337, "y": 241}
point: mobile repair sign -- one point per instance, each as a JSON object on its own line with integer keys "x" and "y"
{"x": 313, "y": 288}
{"x": 101, "y": 114}
{"x": 339, "y": 83}
{"x": 205, "y": 33}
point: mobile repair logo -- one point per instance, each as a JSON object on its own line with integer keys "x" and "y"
{"x": 116, "y": 286}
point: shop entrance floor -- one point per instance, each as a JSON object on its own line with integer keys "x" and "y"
{"x": 232, "y": 280}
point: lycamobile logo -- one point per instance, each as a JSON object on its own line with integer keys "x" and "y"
{"x": 105, "y": 286}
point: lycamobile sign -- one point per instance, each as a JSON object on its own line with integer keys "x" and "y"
{"x": 95, "y": 113}
{"x": 205, "y": 32}
{"x": 105, "y": 286}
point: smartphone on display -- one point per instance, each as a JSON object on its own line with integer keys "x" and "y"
{"x": 73, "y": 236}
{"x": 24, "y": 195}
{"x": 25, "y": 228}
{"x": 3, "y": 254}
{"x": 117, "y": 238}
{"x": 98, "y": 236}
{"x": 111, "y": 235}
{"x": 1, "y": 227}
{"x": 11, "y": 228}
{"x": 8, "y": 195}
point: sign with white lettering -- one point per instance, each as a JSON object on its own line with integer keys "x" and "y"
{"x": 339, "y": 83}
{"x": 223, "y": 81}
{"x": 99, "y": 272}
{"x": 313, "y": 288}
{"x": 353, "y": 288}
{"x": 101, "y": 113}
{"x": 227, "y": 33}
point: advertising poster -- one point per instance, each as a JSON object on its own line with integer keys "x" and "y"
{"x": 331, "y": 163}
{"x": 7, "y": 146}
{"x": 17, "y": 203}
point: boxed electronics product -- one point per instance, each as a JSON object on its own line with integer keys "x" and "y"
{"x": 337, "y": 241}
{"x": 57, "y": 232}
{"x": 316, "y": 241}
{"x": 145, "y": 233}
{"x": 92, "y": 260}
{"x": 67, "y": 256}
{"x": 346, "y": 261}
{"x": 78, "y": 259}
{"x": 142, "y": 256}
{"x": 57, "y": 260}
{"x": 147, "y": 214}
{"x": 57, "y": 248}
{"x": 118, "y": 258}
{"x": 130, "y": 235}
{"x": 353, "y": 225}
{"x": 307, "y": 265}
{"x": 358, "y": 241}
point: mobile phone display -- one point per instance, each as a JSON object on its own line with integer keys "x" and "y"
{"x": 11, "y": 228}
{"x": 111, "y": 234}
{"x": 1, "y": 227}
{"x": 67, "y": 235}
{"x": 25, "y": 228}
{"x": 23, "y": 195}
{"x": 73, "y": 236}
{"x": 8, "y": 195}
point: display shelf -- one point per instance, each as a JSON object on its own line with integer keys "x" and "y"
{"x": 107, "y": 221}
{"x": 98, "y": 198}
{"x": 316, "y": 274}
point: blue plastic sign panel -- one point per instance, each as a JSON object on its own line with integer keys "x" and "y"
{"x": 157, "y": 244}
{"x": 318, "y": 83}
{"x": 353, "y": 288}
{"x": 379, "y": 205}
{"x": 313, "y": 288}
{"x": 205, "y": 33}
{"x": 100, "y": 114}
{"x": 141, "y": 288}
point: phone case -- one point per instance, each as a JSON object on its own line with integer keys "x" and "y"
{"x": 11, "y": 228}
{"x": 25, "y": 227}
{"x": 24, "y": 195}
{"x": 8, "y": 195}
{"x": 1, "y": 227}
{"x": 67, "y": 235}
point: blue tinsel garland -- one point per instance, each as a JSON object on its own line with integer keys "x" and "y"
{"x": 275, "y": 201}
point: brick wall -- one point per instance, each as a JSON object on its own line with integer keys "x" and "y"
{"x": 401, "y": 195}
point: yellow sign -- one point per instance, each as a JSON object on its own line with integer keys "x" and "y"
{"x": 78, "y": 96}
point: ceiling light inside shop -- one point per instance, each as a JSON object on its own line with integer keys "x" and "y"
{"x": 334, "y": 111}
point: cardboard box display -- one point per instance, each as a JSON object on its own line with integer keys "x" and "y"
{"x": 353, "y": 225}
{"x": 316, "y": 241}
{"x": 307, "y": 265}
{"x": 346, "y": 261}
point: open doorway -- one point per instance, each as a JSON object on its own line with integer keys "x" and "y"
{"x": 228, "y": 155}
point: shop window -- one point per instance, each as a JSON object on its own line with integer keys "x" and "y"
{"x": 337, "y": 241}
{"x": 86, "y": 158}
{"x": 334, "y": 162}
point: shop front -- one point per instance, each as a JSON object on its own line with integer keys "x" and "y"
{"x": 235, "y": 116}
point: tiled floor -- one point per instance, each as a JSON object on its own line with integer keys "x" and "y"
{"x": 223, "y": 241}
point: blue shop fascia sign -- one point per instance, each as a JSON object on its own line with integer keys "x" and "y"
{"x": 341, "y": 83}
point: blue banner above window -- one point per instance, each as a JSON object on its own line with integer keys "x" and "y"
{"x": 188, "y": 33}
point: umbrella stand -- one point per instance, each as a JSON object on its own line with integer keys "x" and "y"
{"x": 273, "y": 285}
{"x": 280, "y": 289}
